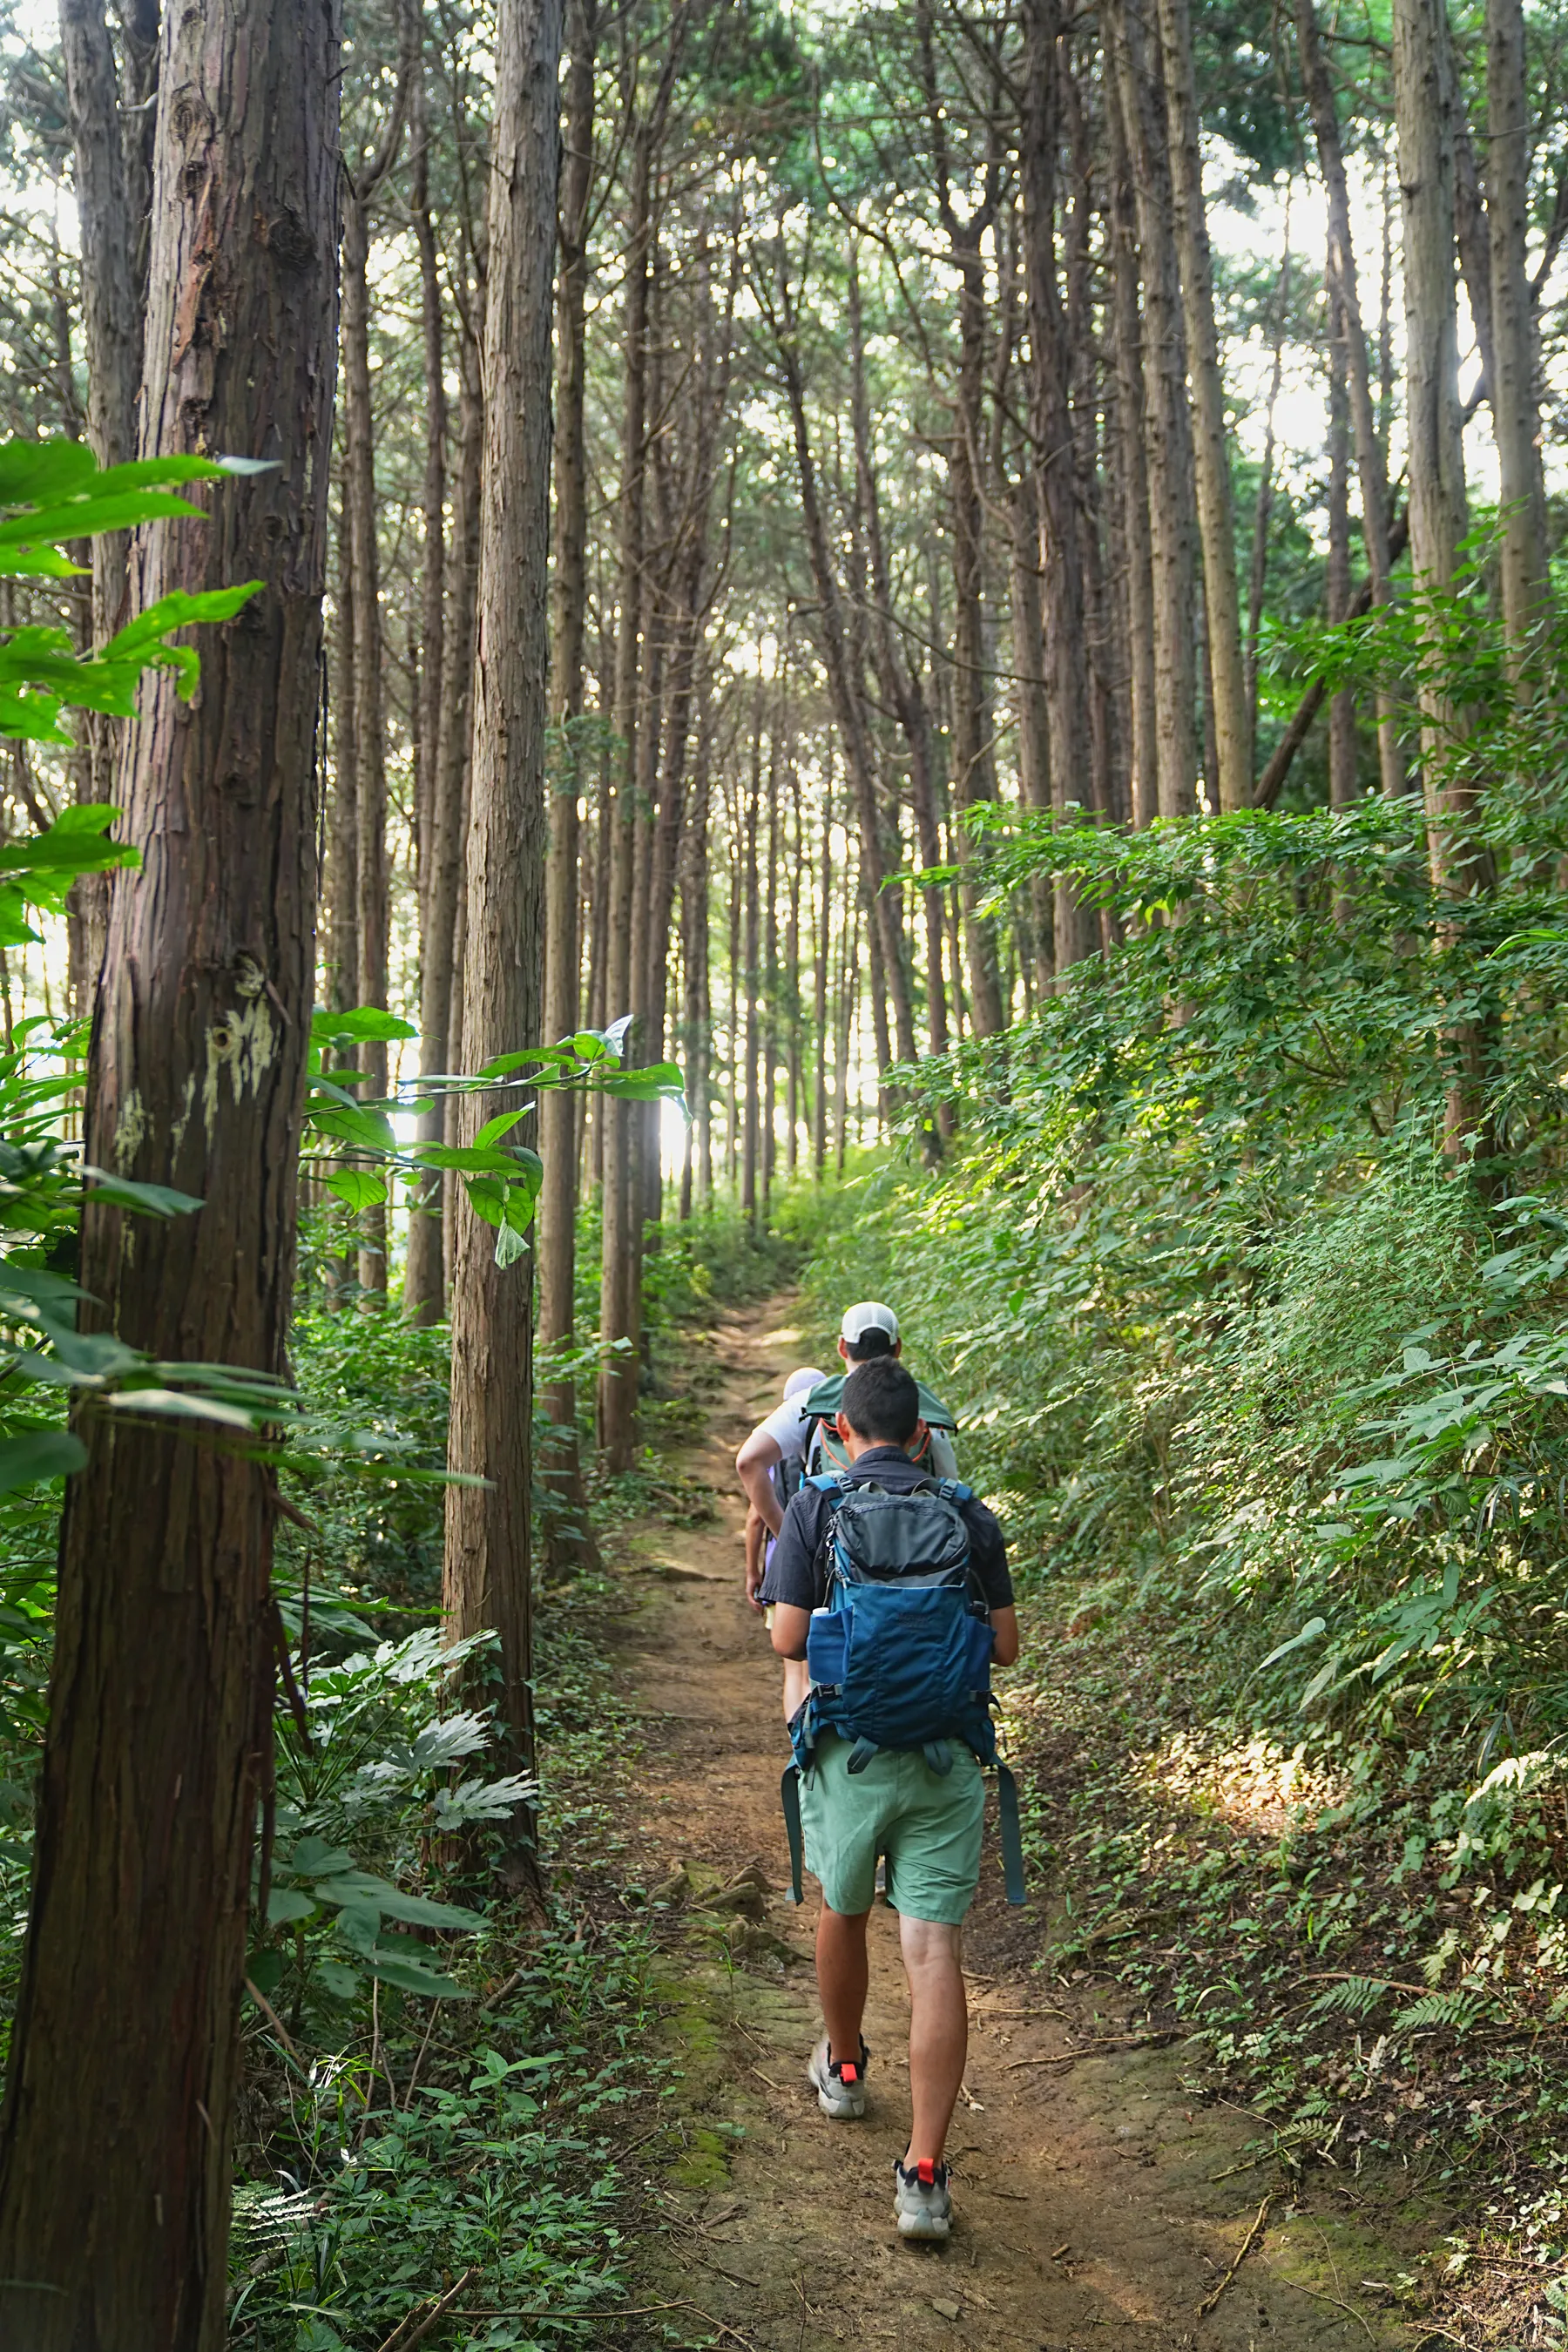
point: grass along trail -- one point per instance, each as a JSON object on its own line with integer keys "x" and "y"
{"x": 1100, "y": 2204}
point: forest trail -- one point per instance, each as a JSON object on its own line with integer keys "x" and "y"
{"x": 1088, "y": 2214}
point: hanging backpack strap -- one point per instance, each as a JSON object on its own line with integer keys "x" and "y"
{"x": 860, "y": 1755}
{"x": 938, "y": 1758}
{"x": 789, "y": 1796}
{"x": 1011, "y": 1837}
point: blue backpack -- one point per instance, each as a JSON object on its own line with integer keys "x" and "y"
{"x": 900, "y": 1656}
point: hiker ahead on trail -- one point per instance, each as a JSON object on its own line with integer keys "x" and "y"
{"x": 799, "y": 1439}
{"x": 892, "y": 1586}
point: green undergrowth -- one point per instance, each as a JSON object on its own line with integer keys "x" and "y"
{"x": 1393, "y": 2023}
{"x": 398, "y": 2149}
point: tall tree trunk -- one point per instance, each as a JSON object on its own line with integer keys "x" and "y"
{"x": 619, "y": 1305}
{"x": 1057, "y": 471}
{"x": 370, "y": 760}
{"x": 1168, "y": 453}
{"x": 1370, "y": 446}
{"x": 1210, "y": 440}
{"x": 1029, "y": 659}
{"x": 114, "y": 2146}
{"x": 1263, "y": 509}
{"x": 440, "y": 1019}
{"x": 819, "y": 980}
{"x": 847, "y": 702}
{"x": 751, "y": 1126}
{"x": 898, "y": 682}
{"x": 342, "y": 845}
{"x": 1342, "y": 708}
{"x": 486, "y": 1583}
{"x": 1516, "y": 414}
{"x": 696, "y": 1169}
{"x": 112, "y": 288}
{"x": 422, "y": 1283}
{"x": 792, "y": 980}
{"x": 560, "y": 1472}
{"x": 1424, "y": 101}
{"x": 1132, "y": 470}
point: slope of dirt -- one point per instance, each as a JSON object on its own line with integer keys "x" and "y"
{"x": 1099, "y": 2205}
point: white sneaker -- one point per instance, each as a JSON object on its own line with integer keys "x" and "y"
{"x": 840, "y": 2085}
{"x": 921, "y": 2206}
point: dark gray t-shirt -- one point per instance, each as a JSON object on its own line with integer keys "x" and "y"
{"x": 797, "y": 1571}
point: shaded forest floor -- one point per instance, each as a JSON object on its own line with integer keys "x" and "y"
{"x": 1103, "y": 2194}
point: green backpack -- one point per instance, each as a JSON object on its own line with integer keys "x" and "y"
{"x": 821, "y": 1408}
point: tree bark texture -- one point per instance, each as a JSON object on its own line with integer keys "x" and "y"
{"x": 1168, "y": 449}
{"x": 1210, "y": 445}
{"x": 847, "y": 702}
{"x": 373, "y": 891}
{"x": 112, "y": 316}
{"x": 486, "y": 1584}
{"x": 1516, "y": 412}
{"x": 562, "y": 1474}
{"x": 1371, "y": 460}
{"x": 114, "y": 2149}
{"x": 422, "y": 1278}
{"x": 619, "y": 1305}
{"x": 1424, "y": 100}
{"x": 1063, "y": 647}
{"x": 1132, "y": 484}
{"x": 441, "y": 876}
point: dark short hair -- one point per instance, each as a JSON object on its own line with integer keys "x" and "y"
{"x": 871, "y": 1346}
{"x": 882, "y": 1401}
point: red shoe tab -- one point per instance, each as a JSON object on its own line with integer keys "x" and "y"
{"x": 849, "y": 2073}
{"x": 927, "y": 2171}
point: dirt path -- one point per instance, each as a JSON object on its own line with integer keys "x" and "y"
{"x": 1092, "y": 2213}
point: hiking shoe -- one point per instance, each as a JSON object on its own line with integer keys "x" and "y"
{"x": 921, "y": 2206}
{"x": 840, "y": 2083}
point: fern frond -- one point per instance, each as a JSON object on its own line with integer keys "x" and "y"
{"x": 1353, "y": 1996}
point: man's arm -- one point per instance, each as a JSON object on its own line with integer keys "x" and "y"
{"x": 756, "y": 1552}
{"x": 789, "y": 1630}
{"x": 755, "y": 1459}
{"x": 1003, "y": 1637}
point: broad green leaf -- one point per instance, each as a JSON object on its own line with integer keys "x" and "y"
{"x": 175, "y": 1404}
{"x": 414, "y": 1976}
{"x": 494, "y": 1128}
{"x": 363, "y": 1023}
{"x": 285, "y": 1904}
{"x": 360, "y": 1886}
{"x": 155, "y": 1200}
{"x": 32, "y": 471}
{"x": 364, "y": 1128}
{"x": 38, "y": 1454}
{"x": 313, "y": 1857}
{"x": 1309, "y": 1633}
{"x": 357, "y": 1188}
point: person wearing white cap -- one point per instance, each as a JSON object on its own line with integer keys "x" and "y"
{"x": 772, "y": 1459}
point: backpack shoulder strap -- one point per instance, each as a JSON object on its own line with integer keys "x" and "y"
{"x": 953, "y": 1489}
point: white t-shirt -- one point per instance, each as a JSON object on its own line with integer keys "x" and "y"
{"x": 790, "y": 1426}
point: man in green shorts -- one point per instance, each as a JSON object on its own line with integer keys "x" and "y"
{"x": 927, "y": 1823}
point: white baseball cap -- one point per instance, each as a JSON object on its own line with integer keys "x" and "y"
{"x": 869, "y": 1315}
{"x": 801, "y": 1383}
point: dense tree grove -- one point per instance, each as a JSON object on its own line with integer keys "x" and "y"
{"x": 953, "y": 613}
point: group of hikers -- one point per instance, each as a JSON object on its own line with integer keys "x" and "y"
{"x": 884, "y": 1583}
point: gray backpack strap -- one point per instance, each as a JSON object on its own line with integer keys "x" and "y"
{"x": 789, "y": 1794}
{"x": 1012, "y": 1838}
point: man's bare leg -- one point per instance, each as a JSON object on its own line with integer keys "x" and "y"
{"x": 843, "y": 1973}
{"x": 939, "y": 2029}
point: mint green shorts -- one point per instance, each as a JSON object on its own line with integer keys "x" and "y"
{"x": 927, "y": 1823}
